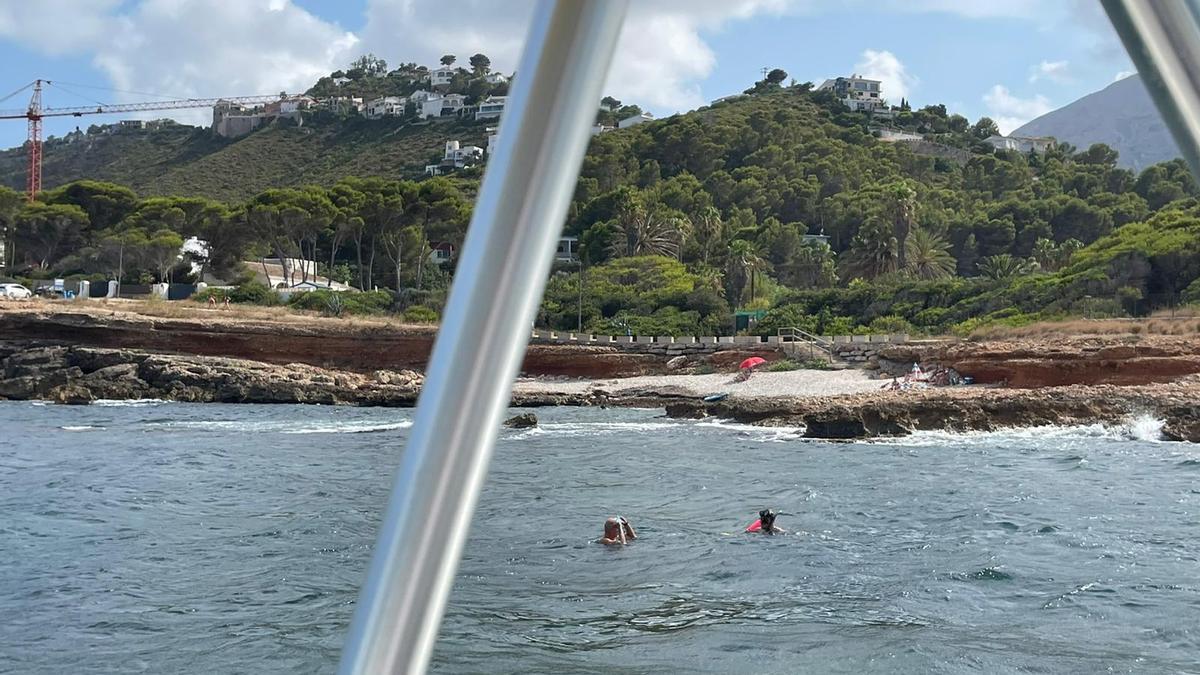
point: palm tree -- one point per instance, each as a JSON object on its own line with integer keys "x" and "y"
{"x": 642, "y": 232}
{"x": 928, "y": 255}
{"x": 683, "y": 229}
{"x": 708, "y": 229}
{"x": 1046, "y": 253}
{"x": 873, "y": 252}
{"x": 740, "y": 266}
{"x": 1005, "y": 266}
{"x": 902, "y": 204}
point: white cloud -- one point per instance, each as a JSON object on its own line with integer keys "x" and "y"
{"x": 190, "y": 48}
{"x": 56, "y": 27}
{"x": 660, "y": 61}
{"x": 1124, "y": 74}
{"x": 884, "y": 66}
{"x": 1055, "y": 71}
{"x": 205, "y": 48}
{"x": 1010, "y": 112}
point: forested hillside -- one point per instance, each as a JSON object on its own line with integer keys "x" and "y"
{"x": 779, "y": 201}
{"x": 183, "y": 160}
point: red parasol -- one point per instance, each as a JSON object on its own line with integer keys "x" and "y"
{"x": 752, "y": 361}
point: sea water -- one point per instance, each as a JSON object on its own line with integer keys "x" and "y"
{"x": 167, "y": 537}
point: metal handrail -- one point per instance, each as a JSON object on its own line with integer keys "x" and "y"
{"x": 505, "y": 262}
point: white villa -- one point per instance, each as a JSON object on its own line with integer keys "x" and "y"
{"x": 438, "y": 106}
{"x": 420, "y": 96}
{"x": 491, "y": 108}
{"x": 339, "y": 81}
{"x": 568, "y": 249}
{"x": 635, "y": 120}
{"x": 441, "y": 76}
{"x": 1038, "y": 144}
{"x": 495, "y": 78}
{"x": 856, "y": 93}
{"x": 384, "y": 107}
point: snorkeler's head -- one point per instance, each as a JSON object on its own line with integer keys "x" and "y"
{"x": 766, "y": 518}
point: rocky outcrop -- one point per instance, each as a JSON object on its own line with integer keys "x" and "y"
{"x": 1055, "y": 362}
{"x": 82, "y": 374}
{"x": 522, "y": 421}
{"x": 965, "y": 409}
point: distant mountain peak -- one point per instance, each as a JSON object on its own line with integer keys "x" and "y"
{"x": 1121, "y": 115}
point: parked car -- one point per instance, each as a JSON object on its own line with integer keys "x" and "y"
{"x": 14, "y": 291}
{"x": 48, "y": 292}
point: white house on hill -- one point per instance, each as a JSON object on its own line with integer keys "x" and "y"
{"x": 495, "y": 78}
{"x": 441, "y": 77}
{"x": 856, "y": 93}
{"x": 1021, "y": 143}
{"x": 491, "y": 108}
{"x": 438, "y": 106}
{"x": 635, "y": 120}
{"x": 383, "y": 107}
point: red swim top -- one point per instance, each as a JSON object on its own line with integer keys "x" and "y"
{"x": 755, "y": 526}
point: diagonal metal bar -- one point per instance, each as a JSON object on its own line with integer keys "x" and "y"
{"x": 500, "y": 279}
{"x": 1163, "y": 40}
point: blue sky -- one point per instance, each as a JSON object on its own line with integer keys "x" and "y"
{"x": 1011, "y": 60}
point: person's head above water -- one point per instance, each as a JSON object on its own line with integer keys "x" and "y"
{"x": 612, "y": 528}
{"x": 617, "y": 530}
{"x": 767, "y": 518}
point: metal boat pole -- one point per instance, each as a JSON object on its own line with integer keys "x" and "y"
{"x": 499, "y": 282}
{"x": 1163, "y": 40}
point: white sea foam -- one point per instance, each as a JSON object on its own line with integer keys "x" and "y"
{"x": 129, "y": 403}
{"x": 1140, "y": 428}
{"x": 80, "y": 427}
{"x": 288, "y": 426}
{"x": 355, "y": 428}
{"x": 754, "y": 433}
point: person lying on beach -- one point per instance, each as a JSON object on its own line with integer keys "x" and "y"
{"x": 766, "y": 523}
{"x": 617, "y": 532}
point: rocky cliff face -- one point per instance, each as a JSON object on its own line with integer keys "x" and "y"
{"x": 324, "y": 343}
{"x": 1123, "y": 360}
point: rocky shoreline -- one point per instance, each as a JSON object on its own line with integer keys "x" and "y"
{"x": 79, "y": 375}
{"x": 879, "y": 414}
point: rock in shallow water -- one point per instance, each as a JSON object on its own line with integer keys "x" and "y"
{"x": 71, "y": 394}
{"x": 522, "y": 421}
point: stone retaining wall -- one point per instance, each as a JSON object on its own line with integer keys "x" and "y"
{"x": 676, "y": 346}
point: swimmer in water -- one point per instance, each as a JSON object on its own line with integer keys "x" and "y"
{"x": 766, "y": 523}
{"x": 617, "y": 532}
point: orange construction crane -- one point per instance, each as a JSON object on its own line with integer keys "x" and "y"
{"x": 35, "y": 113}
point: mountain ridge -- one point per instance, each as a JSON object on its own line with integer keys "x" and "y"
{"x": 1121, "y": 115}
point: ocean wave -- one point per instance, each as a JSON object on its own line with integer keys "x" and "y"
{"x": 350, "y": 428}
{"x": 1144, "y": 428}
{"x": 80, "y": 427}
{"x": 755, "y": 433}
{"x": 129, "y": 403}
{"x": 286, "y": 426}
{"x": 595, "y": 428}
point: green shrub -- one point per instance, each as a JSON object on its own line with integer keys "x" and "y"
{"x": 420, "y": 314}
{"x": 254, "y": 293}
{"x": 890, "y": 325}
{"x": 369, "y": 302}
